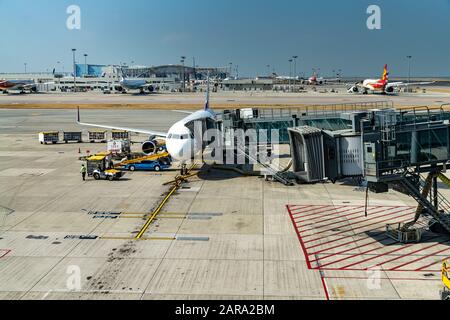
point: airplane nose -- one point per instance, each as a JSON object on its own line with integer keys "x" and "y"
{"x": 180, "y": 150}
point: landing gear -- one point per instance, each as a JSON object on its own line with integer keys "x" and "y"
{"x": 184, "y": 170}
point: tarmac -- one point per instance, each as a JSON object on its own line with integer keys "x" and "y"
{"x": 220, "y": 236}
{"x": 434, "y": 96}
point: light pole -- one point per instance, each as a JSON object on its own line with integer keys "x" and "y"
{"x": 295, "y": 68}
{"x": 25, "y": 64}
{"x": 74, "y": 70}
{"x": 409, "y": 68}
{"x": 290, "y": 73}
{"x": 183, "y": 59}
{"x": 194, "y": 65}
{"x": 268, "y": 70}
{"x": 231, "y": 69}
{"x": 85, "y": 65}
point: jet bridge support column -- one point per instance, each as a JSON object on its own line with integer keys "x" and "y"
{"x": 435, "y": 193}
{"x": 414, "y": 146}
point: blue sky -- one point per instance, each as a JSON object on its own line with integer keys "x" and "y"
{"x": 325, "y": 34}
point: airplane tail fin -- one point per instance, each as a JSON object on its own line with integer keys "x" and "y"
{"x": 385, "y": 77}
{"x": 207, "y": 94}
{"x": 78, "y": 116}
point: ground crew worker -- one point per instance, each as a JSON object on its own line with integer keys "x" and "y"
{"x": 83, "y": 171}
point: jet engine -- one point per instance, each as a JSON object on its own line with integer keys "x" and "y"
{"x": 353, "y": 89}
{"x": 389, "y": 90}
{"x": 152, "y": 146}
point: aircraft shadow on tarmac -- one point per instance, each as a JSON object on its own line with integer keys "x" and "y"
{"x": 209, "y": 173}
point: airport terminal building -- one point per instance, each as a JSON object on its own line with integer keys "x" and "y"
{"x": 99, "y": 76}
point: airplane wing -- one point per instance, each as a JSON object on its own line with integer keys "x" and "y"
{"x": 183, "y": 111}
{"x": 403, "y": 84}
{"x": 149, "y": 132}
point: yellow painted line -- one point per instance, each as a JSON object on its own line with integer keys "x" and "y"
{"x": 177, "y": 185}
{"x": 147, "y": 225}
{"x": 143, "y": 238}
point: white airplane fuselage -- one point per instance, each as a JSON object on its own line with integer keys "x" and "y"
{"x": 180, "y": 140}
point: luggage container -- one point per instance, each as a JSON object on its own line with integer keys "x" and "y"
{"x": 49, "y": 137}
{"x": 73, "y": 137}
{"x": 120, "y": 135}
{"x": 119, "y": 148}
{"x": 97, "y": 136}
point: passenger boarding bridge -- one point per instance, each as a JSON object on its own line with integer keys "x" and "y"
{"x": 370, "y": 141}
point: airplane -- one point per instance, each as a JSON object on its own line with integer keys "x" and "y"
{"x": 180, "y": 141}
{"x": 382, "y": 85}
{"x": 315, "y": 80}
{"x": 18, "y": 85}
{"x": 135, "y": 84}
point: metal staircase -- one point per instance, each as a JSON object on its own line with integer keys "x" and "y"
{"x": 276, "y": 174}
{"x": 420, "y": 193}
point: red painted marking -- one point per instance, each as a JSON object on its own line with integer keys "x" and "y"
{"x": 358, "y": 239}
{"x": 343, "y": 216}
{"x": 308, "y": 263}
{"x": 410, "y": 254}
{"x": 351, "y": 225}
{"x": 322, "y": 278}
{"x": 5, "y": 252}
{"x": 364, "y": 226}
{"x": 296, "y": 208}
{"x": 350, "y": 242}
{"x": 421, "y": 258}
{"x": 336, "y": 213}
{"x": 383, "y": 254}
{"x": 351, "y": 249}
{"x": 330, "y": 208}
{"x": 359, "y": 255}
{"x": 365, "y": 269}
{"x": 431, "y": 264}
{"x": 327, "y": 215}
{"x": 365, "y": 278}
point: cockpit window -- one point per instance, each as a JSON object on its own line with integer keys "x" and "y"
{"x": 185, "y": 137}
{"x": 169, "y": 136}
{"x": 176, "y": 136}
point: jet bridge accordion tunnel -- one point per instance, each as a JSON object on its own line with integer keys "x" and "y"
{"x": 378, "y": 146}
{"x": 320, "y": 155}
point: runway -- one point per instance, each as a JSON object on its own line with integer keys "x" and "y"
{"x": 220, "y": 100}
